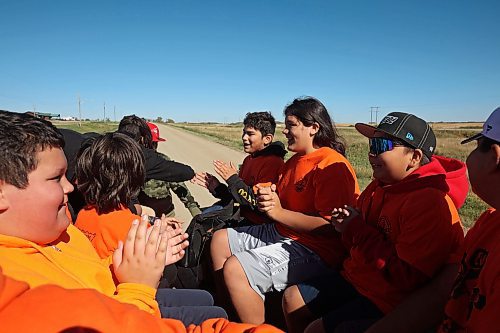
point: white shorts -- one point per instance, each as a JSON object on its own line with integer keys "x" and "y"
{"x": 270, "y": 260}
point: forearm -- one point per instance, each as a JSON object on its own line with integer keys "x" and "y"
{"x": 169, "y": 171}
{"x": 297, "y": 221}
{"x": 241, "y": 192}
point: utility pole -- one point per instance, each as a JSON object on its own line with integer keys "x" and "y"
{"x": 104, "y": 119}
{"x": 374, "y": 109}
{"x": 79, "y": 113}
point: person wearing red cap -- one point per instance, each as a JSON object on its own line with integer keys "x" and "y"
{"x": 155, "y": 134}
{"x": 157, "y": 194}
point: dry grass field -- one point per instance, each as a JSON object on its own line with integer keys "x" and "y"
{"x": 448, "y": 135}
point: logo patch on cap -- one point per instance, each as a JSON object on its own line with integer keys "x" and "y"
{"x": 488, "y": 128}
{"x": 409, "y": 136}
{"x": 388, "y": 120}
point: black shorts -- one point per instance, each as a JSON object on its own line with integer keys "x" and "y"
{"x": 337, "y": 302}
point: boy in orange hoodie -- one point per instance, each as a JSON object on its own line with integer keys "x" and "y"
{"x": 38, "y": 244}
{"x": 403, "y": 229}
{"x": 87, "y": 310}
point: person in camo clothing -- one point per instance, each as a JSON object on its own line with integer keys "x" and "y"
{"x": 157, "y": 194}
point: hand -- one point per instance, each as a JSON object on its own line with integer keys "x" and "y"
{"x": 224, "y": 170}
{"x": 169, "y": 222}
{"x": 176, "y": 245}
{"x": 171, "y": 228}
{"x": 206, "y": 180}
{"x": 341, "y": 217}
{"x": 142, "y": 258}
{"x": 268, "y": 200}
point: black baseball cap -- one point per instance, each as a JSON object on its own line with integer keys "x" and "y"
{"x": 405, "y": 127}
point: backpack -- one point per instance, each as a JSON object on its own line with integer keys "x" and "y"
{"x": 201, "y": 229}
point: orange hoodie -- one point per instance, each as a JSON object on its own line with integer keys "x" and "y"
{"x": 72, "y": 263}
{"x": 105, "y": 230}
{"x": 314, "y": 184}
{"x": 474, "y": 303}
{"x": 406, "y": 232}
{"x": 50, "y": 308}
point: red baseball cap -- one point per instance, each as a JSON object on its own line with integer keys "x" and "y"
{"x": 155, "y": 132}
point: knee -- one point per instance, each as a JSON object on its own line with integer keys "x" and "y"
{"x": 292, "y": 299}
{"x": 233, "y": 271}
{"x": 219, "y": 245}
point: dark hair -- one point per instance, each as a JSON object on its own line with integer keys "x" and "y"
{"x": 486, "y": 143}
{"x": 261, "y": 121}
{"x": 425, "y": 159}
{"x": 110, "y": 171}
{"x": 22, "y": 137}
{"x": 137, "y": 129}
{"x": 309, "y": 110}
{"x": 409, "y": 149}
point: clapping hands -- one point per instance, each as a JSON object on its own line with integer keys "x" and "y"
{"x": 341, "y": 217}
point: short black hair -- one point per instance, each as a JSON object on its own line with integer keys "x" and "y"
{"x": 484, "y": 144}
{"x": 261, "y": 121}
{"x": 110, "y": 171}
{"x": 137, "y": 129}
{"x": 22, "y": 137}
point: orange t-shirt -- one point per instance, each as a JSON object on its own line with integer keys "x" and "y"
{"x": 314, "y": 184}
{"x": 105, "y": 230}
{"x": 401, "y": 239}
{"x": 474, "y": 304}
{"x": 258, "y": 170}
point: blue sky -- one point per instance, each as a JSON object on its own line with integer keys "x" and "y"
{"x": 217, "y": 60}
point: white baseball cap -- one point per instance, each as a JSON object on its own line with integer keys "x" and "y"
{"x": 491, "y": 128}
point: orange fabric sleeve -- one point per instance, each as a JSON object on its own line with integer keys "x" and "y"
{"x": 54, "y": 309}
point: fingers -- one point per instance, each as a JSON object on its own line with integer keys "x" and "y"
{"x": 200, "y": 179}
{"x": 140, "y": 236}
{"x": 153, "y": 239}
{"x": 161, "y": 254}
{"x": 118, "y": 255}
{"x": 130, "y": 241}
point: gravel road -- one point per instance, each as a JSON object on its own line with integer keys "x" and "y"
{"x": 197, "y": 152}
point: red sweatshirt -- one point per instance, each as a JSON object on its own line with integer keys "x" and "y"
{"x": 405, "y": 233}
{"x": 474, "y": 304}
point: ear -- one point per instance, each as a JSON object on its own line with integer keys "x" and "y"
{"x": 416, "y": 158}
{"x": 4, "y": 203}
{"x": 314, "y": 128}
{"x": 495, "y": 148}
{"x": 267, "y": 139}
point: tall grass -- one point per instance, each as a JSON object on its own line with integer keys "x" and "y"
{"x": 88, "y": 126}
{"x": 448, "y": 139}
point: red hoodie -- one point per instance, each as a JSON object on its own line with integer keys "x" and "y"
{"x": 405, "y": 232}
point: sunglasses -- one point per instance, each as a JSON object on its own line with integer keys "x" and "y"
{"x": 381, "y": 145}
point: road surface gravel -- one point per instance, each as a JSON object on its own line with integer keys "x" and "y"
{"x": 197, "y": 152}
